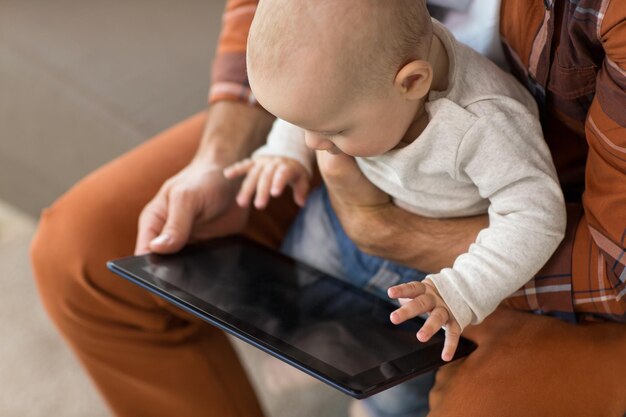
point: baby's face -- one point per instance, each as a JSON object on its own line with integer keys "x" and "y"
{"x": 310, "y": 68}
{"x": 334, "y": 116}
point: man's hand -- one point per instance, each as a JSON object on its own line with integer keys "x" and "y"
{"x": 422, "y": 297}
{"x": 346, "y": 183}
{"x": 380, "y": 228}
{"x": 267, "y": 176}
{"x": 197, "y": 203}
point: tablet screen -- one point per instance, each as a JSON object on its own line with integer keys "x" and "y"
{"x": 311, "y": 311}
{"x": 337, "y": 333}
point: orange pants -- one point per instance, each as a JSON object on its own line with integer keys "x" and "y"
{"x": 148, "y": 358}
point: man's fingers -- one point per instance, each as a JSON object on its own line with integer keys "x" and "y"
{"x": 338, "y": 167}
{"x": 346, "y": 183}
{"x": 151, "y": 222}
{"x": 177, "y": 228}
{"x": 438, "y": 317}
{"x": 341, "y": 173}
{"x": 453, "y": 334}
{"x": 408, "y": 290}
{"x": 413, "y": 308}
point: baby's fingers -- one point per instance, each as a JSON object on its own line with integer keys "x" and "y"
{"x": 248, "y": 186}
{"x": 296, "y": 177}
{"x": 409, "y": 290}
{"x": 264, "y": 184}
{"x": 282, "y": 177}
{"x": 412, "y": 309}
{"x": 300, "y": 190}
{"x": 435, "y": 321}
{"x": 453, "y": 334}
{"x": 238, "y": 169}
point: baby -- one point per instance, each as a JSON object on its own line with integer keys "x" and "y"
{"x": 429, "y": 121}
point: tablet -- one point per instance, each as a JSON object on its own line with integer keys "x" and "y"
{"x": 322, "y": 325}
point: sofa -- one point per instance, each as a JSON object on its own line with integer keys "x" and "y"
{"x": 84, "y": 81}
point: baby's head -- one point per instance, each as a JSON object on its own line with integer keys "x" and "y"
{"x": 351, "y": 73}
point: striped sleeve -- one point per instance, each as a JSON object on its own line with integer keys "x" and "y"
{"x": 600, "y": 238}
{"x": 229, "y": 80}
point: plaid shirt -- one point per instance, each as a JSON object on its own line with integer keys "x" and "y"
{"x": 571, "y": 54}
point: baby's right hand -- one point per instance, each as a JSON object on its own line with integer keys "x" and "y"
{"x": 268, "y": 176}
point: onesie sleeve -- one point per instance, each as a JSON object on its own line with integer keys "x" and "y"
{"x": 505, "y": 156}
{"x": 287, "y": 140}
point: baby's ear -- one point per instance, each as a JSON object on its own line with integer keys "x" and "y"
{"x": 414, "y": 80}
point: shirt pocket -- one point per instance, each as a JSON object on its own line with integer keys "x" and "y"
{"x": 571, "y": 89}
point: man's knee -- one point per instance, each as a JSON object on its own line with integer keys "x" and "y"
{"x": 57, "y": 260}
{"x": 74, "y": 240}
{"x": 69, "y": 252}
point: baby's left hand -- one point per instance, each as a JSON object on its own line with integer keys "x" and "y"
{"x": 422, "y": 297}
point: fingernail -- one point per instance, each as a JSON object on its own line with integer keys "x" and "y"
{"x": 421, "y": 335}
{"x": 163, "y": 239}
{"x": 242, "y": 202}
{"x": 393, "y": 317}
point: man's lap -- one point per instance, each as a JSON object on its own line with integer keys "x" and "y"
{"x": 529, "y": 365}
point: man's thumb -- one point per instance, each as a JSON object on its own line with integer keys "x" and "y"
{"x": 346, "y": 183}
{"x": 340, "y": 172}
{"x": 176, "y": 231}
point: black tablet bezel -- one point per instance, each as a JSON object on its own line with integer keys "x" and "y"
{"x": 358, "y": 386}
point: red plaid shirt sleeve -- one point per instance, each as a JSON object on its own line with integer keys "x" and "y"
{"x": 229, "y": 80}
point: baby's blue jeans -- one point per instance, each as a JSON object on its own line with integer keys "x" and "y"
{"x": 317, "y": 238}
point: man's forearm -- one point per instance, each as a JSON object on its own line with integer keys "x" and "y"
{"x": 233, "y": 130}
{"x": 380, "y": 228}
{"x": 415, "y": 241}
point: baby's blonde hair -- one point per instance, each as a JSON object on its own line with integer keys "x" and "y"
{"x": 382, "y": 36}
